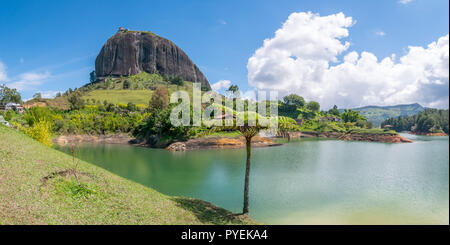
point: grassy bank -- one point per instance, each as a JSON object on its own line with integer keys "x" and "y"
{"x": 37, "y": 187}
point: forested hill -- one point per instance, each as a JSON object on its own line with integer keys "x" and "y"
{"x": 427, "y": 121}
{"x": 377, "y": 114}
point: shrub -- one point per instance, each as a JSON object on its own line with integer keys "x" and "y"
{"x": 41, "y": 132}
{"x": 160, "y": 99}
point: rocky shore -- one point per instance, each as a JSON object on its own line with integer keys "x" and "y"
{"x": 384, "y": 138}
{"x": 219, "y": 143}
{"x": 429, "y": 134}
{"x": 103, "y": 139}
{"x": 228, "y": 142}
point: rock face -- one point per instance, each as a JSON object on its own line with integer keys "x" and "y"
{"x": 131, "y": 52}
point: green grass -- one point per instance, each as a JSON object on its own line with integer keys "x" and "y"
{"x": 142, "y": 87}
{"x": 37, "y": 187}
{"x": 120, "y": 96}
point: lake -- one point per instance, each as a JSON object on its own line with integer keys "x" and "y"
{"x": 306, "y": 181}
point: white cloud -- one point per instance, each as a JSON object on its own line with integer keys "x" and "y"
{"x": 222, "y": 22}
{"x": 222, "y": 84}
{"x": 49, "y": 94}
{"x": 404, "y": 1}
{"x": 380, "y": 33}
{"x": 3, "y": 76}
{"x": 302, "y": 58}
{"x": 28, "y": 81}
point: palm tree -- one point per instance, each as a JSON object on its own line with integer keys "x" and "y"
{"x": 250, "y": 131}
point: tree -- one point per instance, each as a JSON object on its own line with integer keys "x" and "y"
{"x": 313, "y": 106}
{"x": 37, "y": 96}
{"x": 352, "y": 116}
{"x": 126, "y": 84}
{"x": 233, "y": 88}
{"x": 75, "y": 101}
{"x": 158, "y": 124}
{"x": 294, "y": 99}
{"x": 92, "y": 77}
{"x": 131, "y": 106}
{"x": 177, "y": 80}
{"x": 334, "y": 111}
{"x": 8, "y": 95}
{"x": 249, "y": 131}
{"x": 160, "y": 99}
{"x": 233, "y": 92}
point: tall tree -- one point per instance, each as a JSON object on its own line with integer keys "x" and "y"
{"x": 160, "y": 99}
{"x": 313, "y": 106}
{"x": 92, "y": 77}
{"x": 8, "y": 95}
{"x": 75, "y": 101}
{"x": 334, "y": 111}
{"x": 294, "y": 99}
{"x": 37, "y": 96}
{"x": 249, "y": 131}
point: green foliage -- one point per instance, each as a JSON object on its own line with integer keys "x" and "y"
{"x": 295, "y": 100}
{"x": 92, "y": 77}
{"x": 157, "y": 125}
{"x": 427, "y": 121}
{"x": 160, "y": 99}
{"x": 126, "y": 84}
{"x": 40, "y": 131}
{"x": 94, "y": 121}
{"x": 233, "y": 88}
{"x": 9, "y": 115}
{"x": 334, "y": 111}
{"x": 75, "y": 101}
{"x": 40, "y": 114}
{"x": 8, "y": 95}
{"x": 313, "y": 106}
{"x": 73, "y": 190}
{"x": 177, "y": 80}
{"x": 352, "y": 116}
{"x": 131, "y": 106}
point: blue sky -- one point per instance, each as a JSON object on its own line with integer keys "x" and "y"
{"x": 51, "y": 45}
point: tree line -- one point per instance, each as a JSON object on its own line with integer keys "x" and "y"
{"x": 427, "y": 121}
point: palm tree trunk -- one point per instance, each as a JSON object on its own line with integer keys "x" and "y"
{"x": 247, "y": 174}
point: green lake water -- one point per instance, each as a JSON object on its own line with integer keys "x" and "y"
{"x": 307, "y": 181}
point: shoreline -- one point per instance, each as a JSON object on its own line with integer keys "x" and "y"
{"x": 427, "y": 134}
{"x": 382, "y": 138}
{"x": 224, "y": 142}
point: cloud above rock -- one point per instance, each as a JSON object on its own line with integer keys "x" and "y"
{"x": 309, "y": 55}
{"x": 222, "y": 84}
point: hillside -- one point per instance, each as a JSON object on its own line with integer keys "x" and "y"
{"x": 38, "y": 187}
{"x": 377, "y": 114}
{"x": 137, "y": 88}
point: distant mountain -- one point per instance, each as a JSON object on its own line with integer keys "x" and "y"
{"x": 377, "y": 114}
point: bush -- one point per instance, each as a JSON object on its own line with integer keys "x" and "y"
{"x": 126, "y": 85}
{"x": 41, "y": 132}
{"x": 131, "y": 106}
{"x": 9, "y": 115}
